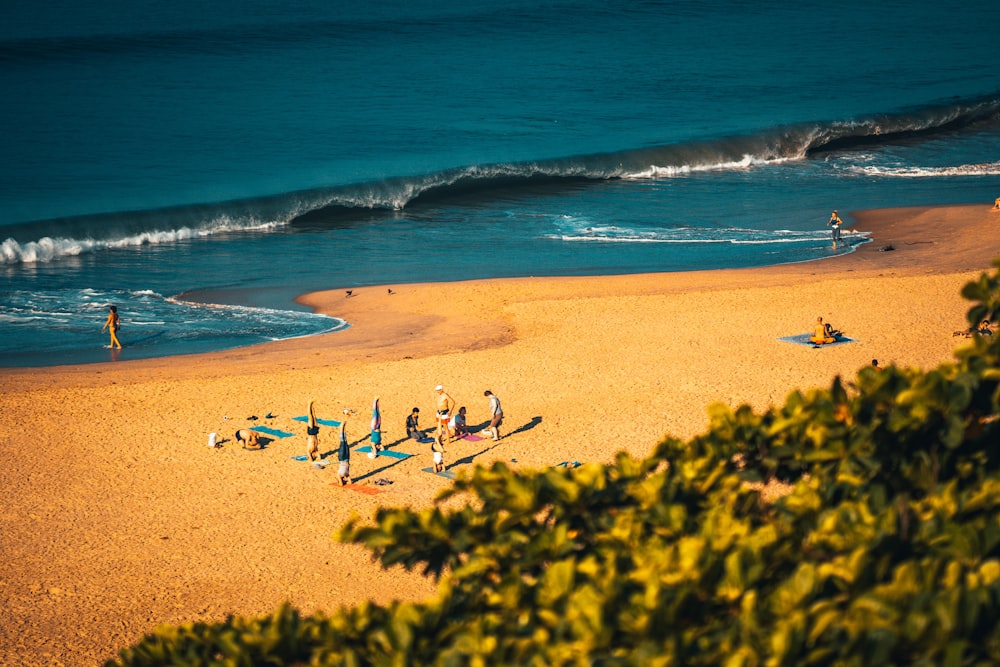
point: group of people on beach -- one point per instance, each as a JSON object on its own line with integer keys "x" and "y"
{"x": 449, "y": 424}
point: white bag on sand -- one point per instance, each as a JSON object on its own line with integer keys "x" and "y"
{"x": 211, "y": 439}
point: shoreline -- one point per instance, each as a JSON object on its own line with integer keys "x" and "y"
{"x": 118, "y": 517}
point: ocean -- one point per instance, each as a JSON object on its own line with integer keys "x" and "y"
{"x": 254, "y": 151}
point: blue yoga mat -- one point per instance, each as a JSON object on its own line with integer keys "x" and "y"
{"x": 303, "y": 457}
{"x": 324, "y": 422}
{"x": 386, "y": 452}
{"x": 278, "y": 433}
{"x": 444, "y": 473}
{"x": 803, "y": 339}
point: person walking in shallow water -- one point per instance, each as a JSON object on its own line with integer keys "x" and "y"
{"x": 112, "y": 324}
{"x": 834, "y": 224}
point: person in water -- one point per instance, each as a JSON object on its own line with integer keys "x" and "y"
{"x": 821, "y": 334}
{"x": 834, "y": 224}
{"x": 113, "y": 324}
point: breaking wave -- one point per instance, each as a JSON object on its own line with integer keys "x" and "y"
{"x": 51, "y": 240}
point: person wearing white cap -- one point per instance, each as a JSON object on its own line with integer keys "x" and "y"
{"x": 444, "y": 404}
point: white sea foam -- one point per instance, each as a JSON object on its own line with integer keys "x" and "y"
{"x": 981, "y": 169}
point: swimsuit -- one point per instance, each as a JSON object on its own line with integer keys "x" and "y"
{"x": 312, "y": 430}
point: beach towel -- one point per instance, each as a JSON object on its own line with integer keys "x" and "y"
{"x": 471, "y": 437}
{"x": 324, "y": 422}
{"x": 360, "y": 488}
{"x": 278, "y": 433}
{"x": 803, "y": 339}
{"x": 386, "y": 452}
{"x": 444, "y": 473}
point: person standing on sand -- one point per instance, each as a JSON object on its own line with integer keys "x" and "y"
{"x": 444, "y": 404}
{"x": 113, "y": 324}
{"x": 834, "y": 225}
{"x": 496, "y": 415}
{"x": 344, "y": 451}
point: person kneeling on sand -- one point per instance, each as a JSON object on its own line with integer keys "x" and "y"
{"x": 247, "y": 438}
{"x": 822, "y": 334}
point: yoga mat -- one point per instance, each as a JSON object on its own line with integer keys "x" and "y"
{"x": 272, "y": 431}
{"x": 368, "y": 490}
{"x": 303, "y": 457}
{"x": 444, "y": 473}
{"x": 386, "y": 452}
{"x": 803, "y": 339}
{"x": 324, "y": 422}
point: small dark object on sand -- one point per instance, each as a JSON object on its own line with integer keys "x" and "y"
{"x": 886, "y": 248}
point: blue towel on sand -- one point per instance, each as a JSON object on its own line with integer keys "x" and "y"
{"x": 324, "y": 422}
{"x": 803, "y": 339}
{"x": 444, "y": 473}
{"x": 272, "y": 431}
{"x": 386, "y": 452}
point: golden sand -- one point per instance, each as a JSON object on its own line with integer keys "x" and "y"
{"x": 117, "y": 516}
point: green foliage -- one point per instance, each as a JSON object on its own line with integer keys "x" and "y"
{"x": 886, "y": 550}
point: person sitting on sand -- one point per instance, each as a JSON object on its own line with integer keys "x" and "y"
{"x": 821, "y": 334}
{"x": 412, "y": 425}
{"x": 996, "y": 204}
{"x": 458, "y": 425}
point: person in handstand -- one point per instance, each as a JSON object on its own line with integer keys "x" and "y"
{"x": 312, "y": 435}
{"x": 344, "y": 452}
{"x": 437, "y": 448}
{"x": 821, "y": 335}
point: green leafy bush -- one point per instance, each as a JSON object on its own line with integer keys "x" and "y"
{"x": 885, "y": 550}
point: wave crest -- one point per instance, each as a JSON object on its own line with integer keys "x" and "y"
{"x": 70, "y": 237}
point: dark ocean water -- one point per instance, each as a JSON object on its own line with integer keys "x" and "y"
{"x": 258, "y": 152}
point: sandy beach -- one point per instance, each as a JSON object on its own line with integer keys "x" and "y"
{"x": 117, "y": 516}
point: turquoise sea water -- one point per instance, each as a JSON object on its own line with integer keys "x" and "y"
{"x": 257, "y": 151}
